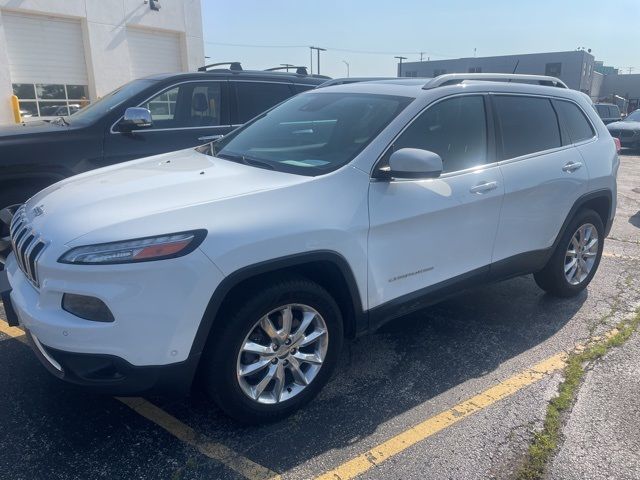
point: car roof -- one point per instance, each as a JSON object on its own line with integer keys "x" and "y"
{"x": 243, "y": 75}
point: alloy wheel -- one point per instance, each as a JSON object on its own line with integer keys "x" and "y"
{"x": 282, "y": 354}
{"x": 581, "y": 254}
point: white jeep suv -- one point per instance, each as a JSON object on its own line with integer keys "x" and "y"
{"x": 251, "y": 259}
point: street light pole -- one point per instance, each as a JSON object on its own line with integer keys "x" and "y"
{"x": 347, "y": 64}
{"x": 317, "y": 49}
{"x": 400, "y": 69}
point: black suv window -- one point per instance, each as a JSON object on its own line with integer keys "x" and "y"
{"x": 575, "y": 123}
{"x": 191, "y": 104}
{"x": 527, "y": 124}
{"x": 255, "y": 97}
{"x": 455, "y": 129}
{"x": 614, "y": 111}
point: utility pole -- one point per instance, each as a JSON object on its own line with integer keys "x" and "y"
{"x": 400, "y": 69}
{"x": 631, "y": 69}
{"x": 311, "y": 59}
{"x": 347, "y": 64}
{"x": 287, "y": 65}
{"x": 317, "y": 49}
{"x": 421, "y": 55}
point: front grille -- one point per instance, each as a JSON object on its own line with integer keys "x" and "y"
{"x": 27, "y": 245}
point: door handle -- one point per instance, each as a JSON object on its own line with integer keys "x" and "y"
{"x": 571, "y": 167}
{"x": 484, "y": 187}
{"x": 210, "y": 138}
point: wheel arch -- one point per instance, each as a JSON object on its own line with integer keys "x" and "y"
{"x": 601, "y": 201}
{"x": 327, "y": 268}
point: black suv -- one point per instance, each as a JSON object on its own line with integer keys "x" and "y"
{"x": 152, "y": 115}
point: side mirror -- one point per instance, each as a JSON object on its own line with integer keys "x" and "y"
{"x": 134, "y": 118}
{"x": 414, "y": 163}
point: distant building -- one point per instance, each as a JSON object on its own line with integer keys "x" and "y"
{"x": 58, "y": 55}
{"x": 625, "y": 86}
{"x": 600, "y": 67}
{"x": 575, "y": 68}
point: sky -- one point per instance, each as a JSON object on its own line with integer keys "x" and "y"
{"x": 368, "y": 34}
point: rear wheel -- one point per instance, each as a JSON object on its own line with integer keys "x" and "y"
{"x": 274, "y": 352}
{"x": 576, "y": 258}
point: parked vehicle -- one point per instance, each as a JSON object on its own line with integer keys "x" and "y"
{"x": 144, "y": 117}
{"x": 608, "y": 112}
{"x": 250, "y": 259}
{"x": 627, "y": 130}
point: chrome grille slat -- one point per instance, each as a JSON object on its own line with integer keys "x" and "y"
{"x": 27, "y": 245}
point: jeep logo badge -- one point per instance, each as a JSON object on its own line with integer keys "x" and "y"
{"x": 37, "y": 211}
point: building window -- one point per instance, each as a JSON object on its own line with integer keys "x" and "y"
{"x": 439, "y": 71}
{"x": 412, "y": 73}
{"x": 553, "y": 69}
{"x": 50, "y": 100}
{"x": 475, "y": 69}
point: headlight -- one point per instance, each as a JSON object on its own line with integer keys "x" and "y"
{"x": 137, "y": 250}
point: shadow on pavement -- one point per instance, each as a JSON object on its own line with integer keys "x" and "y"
{"x": 54, "y": 429}
{"x": 405, "y": 364}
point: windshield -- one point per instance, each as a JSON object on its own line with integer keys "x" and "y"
{"x": 97, "y": 109}
{"x": 312, "y": 133}
{"x": 634, "y": 116}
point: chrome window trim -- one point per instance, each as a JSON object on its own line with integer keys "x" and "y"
{"x": 160, "y": 92}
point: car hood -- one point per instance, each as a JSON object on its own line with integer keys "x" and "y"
{"x": 624, "y": 125}
{"x": 137, "y": 191}
{"x": 31, "y": 128}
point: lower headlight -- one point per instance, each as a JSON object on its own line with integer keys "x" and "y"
{"x": 137, "y": 250}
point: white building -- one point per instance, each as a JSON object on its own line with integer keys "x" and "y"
{"x": 57, "y": 54}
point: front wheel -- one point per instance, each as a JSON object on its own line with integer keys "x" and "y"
{"x": 275, "y": 351}
{"x": 576, "y": 258}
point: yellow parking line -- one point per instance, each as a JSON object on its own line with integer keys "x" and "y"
{"x": 13, "y": 332}
{"x": 213, "y": 450}
{"x": 433, "y": 425}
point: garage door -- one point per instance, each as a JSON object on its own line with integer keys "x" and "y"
{"x": 44, "y": 50}
{"x": 153, "y": 52}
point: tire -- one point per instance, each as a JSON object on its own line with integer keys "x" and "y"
{"x": 552, "y": 277}
{"x": 239, "y": 323}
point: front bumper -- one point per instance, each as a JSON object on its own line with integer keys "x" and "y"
{"x": 157, "y": 306}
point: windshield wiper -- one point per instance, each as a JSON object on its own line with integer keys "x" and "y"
{"x": 253, "y": 162}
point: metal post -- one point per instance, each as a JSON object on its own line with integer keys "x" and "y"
{"x": 400, "y": 69}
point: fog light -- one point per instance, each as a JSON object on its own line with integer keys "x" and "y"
{"x": 89, "y": 308}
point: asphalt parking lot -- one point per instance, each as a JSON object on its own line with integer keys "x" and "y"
{"x": 455, "y": 391}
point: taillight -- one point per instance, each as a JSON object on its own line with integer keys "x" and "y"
{"x": 616, "y": 140}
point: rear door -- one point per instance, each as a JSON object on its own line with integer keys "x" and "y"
{"x": 252, "y": 97}
{"x": 544, "y": 174}
{"x": 183, "y": 115}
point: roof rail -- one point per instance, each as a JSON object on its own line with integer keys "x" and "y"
{"x": 299, "y": 70}
{"x": 453, "y": 78}
{"x": 349, "y": 80}
{"x": 232, "y": 66}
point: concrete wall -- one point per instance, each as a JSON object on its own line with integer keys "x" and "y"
{"x": 627, "y": 86}
{"x": 576, "y": 70}
{"x": 104, "y": 24}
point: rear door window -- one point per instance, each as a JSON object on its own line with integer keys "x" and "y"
{"x": 614, "y": 112}
{"x": 253, "y": 98}
{"x": 527, "y": 125}
{"x": 574, "y": 121}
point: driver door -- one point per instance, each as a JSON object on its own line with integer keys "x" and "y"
{"x": 429, "y": 234}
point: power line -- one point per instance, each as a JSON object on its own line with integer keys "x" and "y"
{"x": 346, "y": 50}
